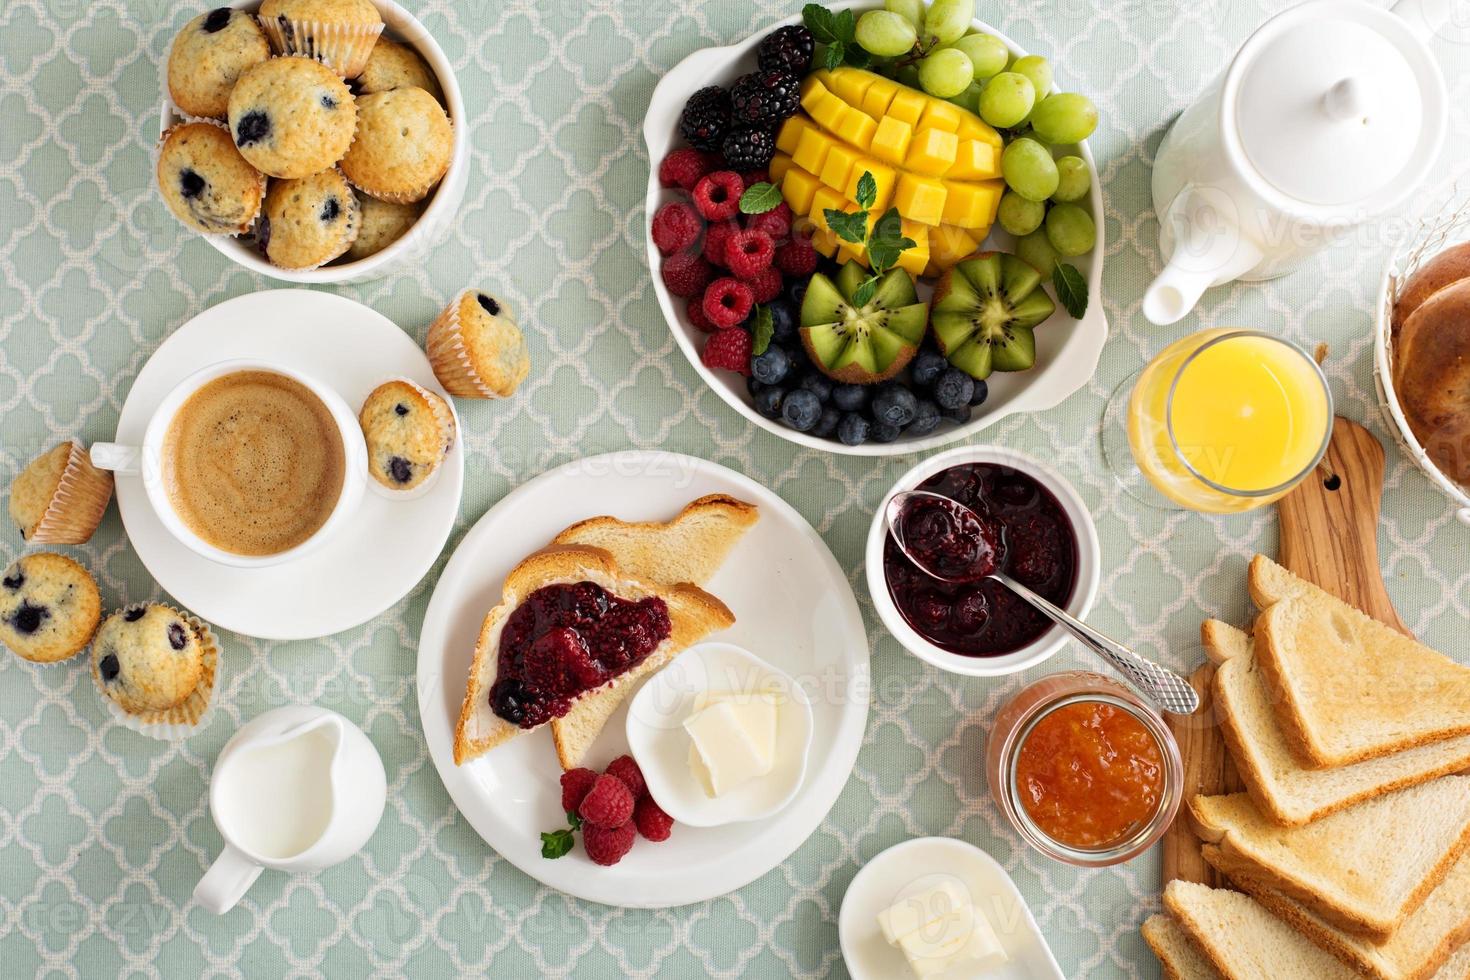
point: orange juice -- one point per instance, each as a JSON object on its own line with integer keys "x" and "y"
{"x": 1227, "y": 420}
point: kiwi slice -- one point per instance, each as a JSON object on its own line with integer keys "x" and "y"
{"x": 983, "y": 313}
{"x": 862, "y": 344}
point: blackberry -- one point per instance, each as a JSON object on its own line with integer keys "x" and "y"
{"x": 764, "y": 98}
{"x": 749, "y": 149}
{"x": 706, "y": 118}
{"x": 788, "y": 49}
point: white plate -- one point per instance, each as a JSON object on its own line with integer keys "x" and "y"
{"x": 883, "y": 880}
{"x": 1067, "y": 350}
{"x": 793, "y": 607}
{"x": 375, "y": 560}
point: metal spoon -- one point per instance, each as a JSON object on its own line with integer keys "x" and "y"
{"x": 1166, "y": 689}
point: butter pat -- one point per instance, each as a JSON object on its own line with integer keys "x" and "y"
{"x": 734, "y": 739}
{"x": 940, "y": 932}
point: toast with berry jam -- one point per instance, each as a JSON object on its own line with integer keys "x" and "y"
{"x": 571, "y": 623}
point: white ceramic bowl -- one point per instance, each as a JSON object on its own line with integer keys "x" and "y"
{"x": 1067, "y": 350}
{"x": 442, "y": 205}
{"x": 1084, "y": 593}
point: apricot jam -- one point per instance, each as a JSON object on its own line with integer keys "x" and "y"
{"x": 1090, "y": 775}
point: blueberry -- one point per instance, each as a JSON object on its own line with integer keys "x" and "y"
{"x": 400, "y": 409}
{"x": 927, "y": 366}
{"x": 827, "y": 424}
{"x": 954, "y": 388}
{"x": 982, "y": 392}
{"x": 772, "y": 366}
{"x": 28, "y": 618}
{"x": 852, "y": 430}
{"x": 850, "y": 398}
{"x": 331, "y": 209}
{"x": 783, "y": 320}
{"x": 134, "y": 614}
{"x": 15, "y": 579}
{"x": 253, "y": 127}
{"x": 819, "y": 385}
{"x": 801, "y": 409}
{"x": 191, "y": 185}
{"x": 768, "y": 402}
{"x": 958, "y": 416}
{"x": 926, "y": 419}
{"x": 328, "y": 102}
{"x": 755, "y": 386}
{"x": 894, "y": 405}
{"x": 217, "y": 19}
{"x": 263, "y": 233}
{"x": 178, "y": 638}
{"x": 884, "y": 432}
{"x": 400, "y": 469}
{"x": 488, "y": 304}
{"x": 796, "y": 291}
{"x": 109, "y": 668}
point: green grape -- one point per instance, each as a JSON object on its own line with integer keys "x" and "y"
{"x": 948, "y": 20}
{"x": 910, "y": 10}
{"x": 1036, "y": 251}
{"x": 886, "y": 34}
{"x": 988, "y": 54}
{"x": 1066, "y": 117}
{"x": 1006, "y": 99}
{"x": 946, "y": 73}
{"x": 1018, "y": 215}
{"x": 907, "y": 75}
{"x": 1070, "y": 229}
{"x": 1029, "y": 169}
{"x": 1036, "y": 68}
{"x": 969, "y": 99}
{"x": 1073, "y": 179}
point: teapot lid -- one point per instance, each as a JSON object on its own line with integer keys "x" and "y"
{"x": 1337, "y": 105}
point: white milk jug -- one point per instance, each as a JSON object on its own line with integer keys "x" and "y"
{"x": 1330, "y": 114}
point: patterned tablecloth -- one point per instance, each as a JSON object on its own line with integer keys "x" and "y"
{"x": 103, "y": 833}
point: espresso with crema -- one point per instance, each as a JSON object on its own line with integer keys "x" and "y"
{"x": 253, "y": 463}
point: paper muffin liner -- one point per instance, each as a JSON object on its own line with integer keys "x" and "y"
{"x": 78, "y": 503}
{"x": 450, "y": 357}
{"x": 342, "y": 47}
{"x": 449, "y": 429}
{"x": 261, "y": 179}
{"x": 187, "y": 717}
{"x": 353, "y": 230}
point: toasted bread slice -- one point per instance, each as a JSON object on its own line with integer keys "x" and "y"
{"x": 1285, "y": 790}
{"x": 1243, "y": 941}
{"x": 1177, "y": 953}
{"x": 1270, "y": 583}
{"x": 1418, "y": 949}
{"x": 689, "y": 548}
{"x": 1362, "y": 869}
{"x": 693, "y": 614}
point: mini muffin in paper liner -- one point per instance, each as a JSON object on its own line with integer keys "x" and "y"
{"x": 419, "y": 193}
{"x": 457, "y": 370}
{"x": 448, "y": 426}
{"x": 77, "y": 506}
{"x": 264, "y": 227}
{"x": 344, "y": 48}
{"x": 187, "y": 120}
{"x": 188, "y": 716}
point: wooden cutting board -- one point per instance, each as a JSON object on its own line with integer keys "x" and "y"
{"x": 1329, "y": 536}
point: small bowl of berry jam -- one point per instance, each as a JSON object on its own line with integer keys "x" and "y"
{"x": 1033, "y": 527}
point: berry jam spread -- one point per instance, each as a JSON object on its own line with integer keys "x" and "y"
{"x": 566, "y": 639}
{"x": 949, "y": 540}
{"x": 1038, "y": 548}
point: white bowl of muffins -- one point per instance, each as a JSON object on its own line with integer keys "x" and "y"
{"x": 315, "y": 141}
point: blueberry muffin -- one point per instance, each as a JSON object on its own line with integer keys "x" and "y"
{"x": 205, "y": 181}
{"x": 292, "y": 117}
{"x": 309, "y": 222}
{"x": 49, "y": 607}
{"x": 393, "y": 65}
{"x": 409, "y": 430}
{"x": 60, "y": 497}
{"x": 477, "y": 349}
{"x": 155, "y": 663}
{"x": 381, "y": 223}
{"x": 209, "y": 55}
{"x": 403, "y": 145}
{"x": 340, "y": 33}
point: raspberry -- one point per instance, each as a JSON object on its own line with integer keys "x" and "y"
{"x": 676, "y": 226}
{"x": 727, "y": 302}
{"x": 625, "y": 768}
{"x": 749, "y": 252}
{"x": 607, "y": 804}
{"x": 606, "y": 846}
{"x": 684, "y": 167}
{"x": 766, "y": 285}
{"x": 717, "y": 239}
{"x": 687, "y": 273}
{"x": 651, "y": 820}
{"x": 751, "y": 177}
{"x": 717, "y": 195}
{"x": 696, "y": 314}
{"x": 728, "y": 350}
{"x": 797, "y": 257}
{"x": 574, "y": 786}
{"x": 775, "y": 222}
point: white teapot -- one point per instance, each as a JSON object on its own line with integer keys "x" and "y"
{"x": 1330, "y": 114}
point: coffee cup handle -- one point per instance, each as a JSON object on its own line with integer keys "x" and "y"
{"x": 226, "y": 881}
{"x": 116, "y": 457}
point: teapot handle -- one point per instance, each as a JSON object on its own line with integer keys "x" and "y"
{"x": 1423, "y": 17}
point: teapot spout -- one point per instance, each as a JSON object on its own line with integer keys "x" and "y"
{"x": 1208, "y": 249}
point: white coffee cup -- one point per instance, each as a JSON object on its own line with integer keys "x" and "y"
{"x": 147, "y": 461}
{"x": 299, "y": 788}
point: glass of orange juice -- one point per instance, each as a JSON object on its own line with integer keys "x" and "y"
{"x": 1222, "y": 421}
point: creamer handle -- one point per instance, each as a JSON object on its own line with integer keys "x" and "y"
{"x": 1424, "y": 17}
{"x": 226, "y": 881}
{"x": 116, "y": 457}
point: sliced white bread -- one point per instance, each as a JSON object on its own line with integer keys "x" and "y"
{"x": 1284, "y": 789}
{"x": 1419, "y": 949}
{"x": 690, "y": 548}
{"x": 1243, "y": 941}
{"x": 693, "y": 614}
{"x": 1177, "y": 953}
{"x": 1362, "y": 869}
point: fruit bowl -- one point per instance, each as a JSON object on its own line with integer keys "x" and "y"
{"x": 1067, "y": 349}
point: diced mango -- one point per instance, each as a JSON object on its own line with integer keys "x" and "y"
{"x": 825, "y": 242}
{"x": 798, "y": 188}
{"x": 941, "y": 115}
{"x": 972, "y": 127}
{"x": 971, "y": 205}
{"x": 891, "y": 140}
{"x": 975, "y": 160}
{"x": 857, "y": 127}
{"x": 824, "y": 107}
{"x": 913, "y": 230}
{"x": 822, "y": 201}
{"x": 790, "y": 133}
{"x": 852, "y": 252}
{"x": 780, "y": 163}
{"x": 811, "y": 150}
{"x": 908, "y": 106}
{"x": 914, "y": 260}
{"x": 919, "y": 198}
{"x": 932, "y": 152}
{"x": 815, "y": 80}
{"x": 948, "y": 244}
{"x": 883, "y": 178}
{"x": 851, "y": 85}
{"x": 839, "y": 164}
{"x": 878, "y": 97}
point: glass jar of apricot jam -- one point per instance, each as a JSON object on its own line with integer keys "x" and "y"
{"x": 1084, "y": 770}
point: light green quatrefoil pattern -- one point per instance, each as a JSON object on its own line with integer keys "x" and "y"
{"x": 103, "y": 833}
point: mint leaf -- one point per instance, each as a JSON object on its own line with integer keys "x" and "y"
{"x": 1071, "y": 289}
{"x": 867, "y": 190}
{"x": 759, "y": 198}
{"x": 574, "y": 819}
{"x": 850, "y": 227}
{"x": 557, "y": 844}
{"x": 762, "y": 331}
{"x": 863, "y": 295}
{"x": 887, "y": 241}
{"x": 834, "y": 55}
{"x": 857, "y": 56}
{"x": 820, "y": 22}
{"x": 844, "y": 25}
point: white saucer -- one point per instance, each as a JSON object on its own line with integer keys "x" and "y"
{"x": 390, "y": 544}
{"x": 882, "y": 881}
{"x": 793, "y": 607}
